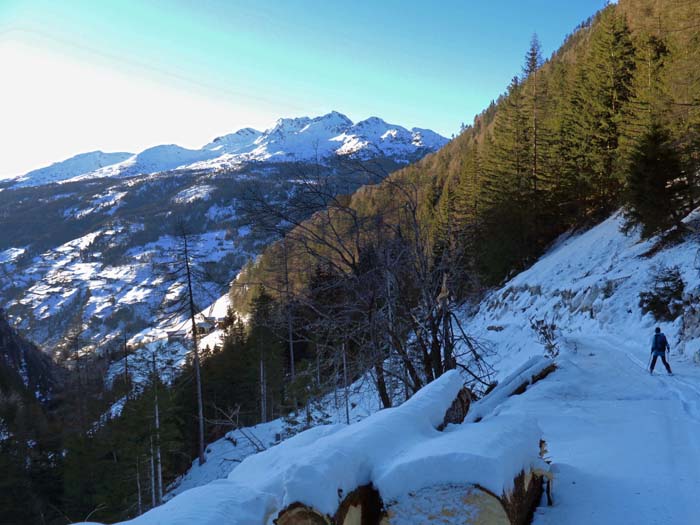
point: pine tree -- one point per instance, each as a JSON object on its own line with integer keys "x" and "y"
{"x": 534, "y": 100}
{"x": 652, "y": 192}
{"x": 269, "y": 350}
{"x": 649, "y": 103}
{"x": 507, "y": 175}
{"x": 506, "y": 190}
{"x": 602, "y": 87}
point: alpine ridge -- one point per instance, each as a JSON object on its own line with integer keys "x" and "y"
{"x": 301, "y": 139}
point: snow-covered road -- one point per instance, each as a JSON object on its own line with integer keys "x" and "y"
{"x": 625, "y": 445}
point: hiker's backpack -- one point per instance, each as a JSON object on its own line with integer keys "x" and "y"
{"x": 659, "y": 343}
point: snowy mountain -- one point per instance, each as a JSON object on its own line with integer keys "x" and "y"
{"x": 300, "y": 139}
{"x": 153, "y": 160}
{"x": 86, "y": 249}
{"x": 621, "y": 442}
{"x": 234, "y": 142}
{"x": 73, "y": 167}
{"x": 334, "y": 134}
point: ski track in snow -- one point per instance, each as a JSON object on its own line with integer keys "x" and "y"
{"x": 623, "y": 443}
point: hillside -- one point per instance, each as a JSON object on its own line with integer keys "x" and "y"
{"x": 97, "y": 246}
{"x": 614, "y": 434}
{"x": 557, "y": 150}
{"x": 23, "y": 367}
{"x": 30, "y": 389}
{"x": 463, "y": 333}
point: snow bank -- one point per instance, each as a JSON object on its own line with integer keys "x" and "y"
{"x": 520, "y": 376}
{"x": 490, "y": 454}
{"x": 323, "y": 471}
{"x": 227, "y": 453}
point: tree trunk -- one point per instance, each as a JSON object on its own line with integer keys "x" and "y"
{"x": 345, "y": 387}
{"x": 138, "y": 486}
{"x": 127, "y": 382}
{"x": 195, "y": 349}
{"x": 159, "y": 470}
{"x": 381, "y": 384}
{"x": 153, "y": 478}
{"x": 263, "y": 391}
{"x": 290, "y": 331}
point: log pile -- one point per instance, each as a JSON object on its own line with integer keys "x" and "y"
{"x": 463, "y": 504}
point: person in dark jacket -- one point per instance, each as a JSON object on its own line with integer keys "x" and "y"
{"x": 659, "y": 345}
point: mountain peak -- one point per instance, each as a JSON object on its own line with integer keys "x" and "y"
{"x": 336, "y": 118}
{"x": 371, "y": 122}
{"x": 290, "y": 139}
{"x": 72, "y": 167}
{"x": 289, "y": 124}
{"x": 236, "y": 142}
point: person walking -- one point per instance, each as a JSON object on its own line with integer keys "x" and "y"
{"x": 659, "y": 345}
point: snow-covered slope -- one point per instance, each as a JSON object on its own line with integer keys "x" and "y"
{"x": 65, "y": 247}
{"x": 622, "y": 443}
{"x": 300, "y": 139}
{"x": 398, "y": 450}
{"x": 589, "y": 285}
{"x": 238, "y": 142}
{"x": 153, "y": 160}
{"x": 73, "y": 167}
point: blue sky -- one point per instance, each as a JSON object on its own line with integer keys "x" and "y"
{"x": 128, "y": 74}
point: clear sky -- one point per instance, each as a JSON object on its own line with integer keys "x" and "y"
{"x": 123, "y": 75}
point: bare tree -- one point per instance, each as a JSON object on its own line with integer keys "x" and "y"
{"x": 181, "y": 273}
{"x": 386, "y": 295}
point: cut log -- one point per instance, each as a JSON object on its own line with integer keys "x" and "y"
{"x": 520, "y": 504}
{"x": 363, "y": 506}
{"x": 534, "y": 379}
{"x": 458, "y": 410}
{"x": 300, "y": 514}
{"x": 448, "y": 505}
{"x": 531, "y": 372}
{"x": 466, "y": 504}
